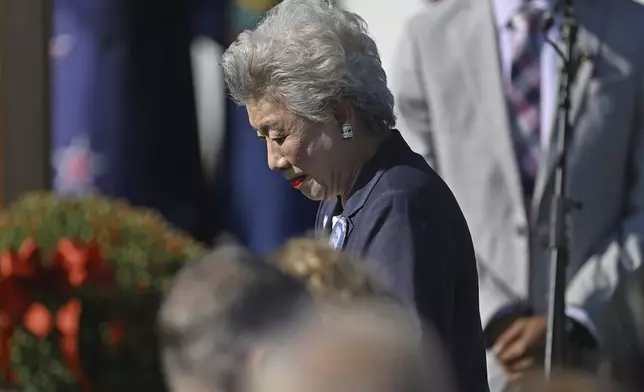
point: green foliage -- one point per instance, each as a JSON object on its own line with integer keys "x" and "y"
{"x": 142, "y": 251}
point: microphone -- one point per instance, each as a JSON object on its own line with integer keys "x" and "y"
{"x": 547, "y": 22}
{"x": 562, "y": 204}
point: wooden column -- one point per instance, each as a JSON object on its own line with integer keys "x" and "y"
{"x": 25, "y": 139}
{"x": 1, "y": 139}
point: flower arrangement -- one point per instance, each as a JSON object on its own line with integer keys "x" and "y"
{"x": 80, "y": 285}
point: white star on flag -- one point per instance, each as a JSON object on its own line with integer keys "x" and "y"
{"x": 76, "y": 167}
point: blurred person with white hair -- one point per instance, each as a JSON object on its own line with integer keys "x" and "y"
{"x": 365, "y": 345}
{"x": 218, "y": 313}
{"x": 312, "y": 82}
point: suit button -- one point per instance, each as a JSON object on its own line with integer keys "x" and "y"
{"x": 543, "y": 236}
{"x": 522, "y": 230}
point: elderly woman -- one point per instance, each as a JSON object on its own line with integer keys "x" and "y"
{"x": 315, "y": 91}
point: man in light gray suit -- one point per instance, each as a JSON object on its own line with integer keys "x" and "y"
{"x": 476, "y": 89}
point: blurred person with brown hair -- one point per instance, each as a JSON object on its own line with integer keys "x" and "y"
{"x": 346, "y": 293}
{"x": 217, "y": 315}
{"x": 316, "y": 94}
{"x": 364, "y": 345}
{"x": 329, "y": 274}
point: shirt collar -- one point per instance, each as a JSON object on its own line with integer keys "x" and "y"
{"x": 504, "y": 10}
{"x": 391, "y": 152}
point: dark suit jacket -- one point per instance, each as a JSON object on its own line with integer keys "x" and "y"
{"x": 402, "y": 216}
{"x": 623, "y": 331}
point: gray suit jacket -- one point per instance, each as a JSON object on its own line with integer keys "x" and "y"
{"x": 453, "y": 112}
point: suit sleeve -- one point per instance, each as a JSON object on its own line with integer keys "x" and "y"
{"x": 411, "y": 99}
{"x": 400, "y": 238}
{"x": 595, "y": 282}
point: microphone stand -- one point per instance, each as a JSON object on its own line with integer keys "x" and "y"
{"x": 562, "y": 205}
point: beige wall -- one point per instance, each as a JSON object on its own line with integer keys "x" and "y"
{"x": 24, "y": 148}
{"x": 1, "y": 149}
{"x": 386, "y": 19}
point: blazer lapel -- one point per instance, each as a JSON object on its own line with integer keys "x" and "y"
{"x": 586, "y": 48}
{"x": 483, "y": 69}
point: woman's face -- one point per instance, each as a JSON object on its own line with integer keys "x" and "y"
{"x": 309, "y": 155}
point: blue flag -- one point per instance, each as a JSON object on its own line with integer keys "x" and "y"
{"x": 123, "y": 115}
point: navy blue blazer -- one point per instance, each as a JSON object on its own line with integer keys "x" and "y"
{"x": 403, "y": 217}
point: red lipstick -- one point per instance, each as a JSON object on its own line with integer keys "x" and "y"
{"x": 297, "y": 182}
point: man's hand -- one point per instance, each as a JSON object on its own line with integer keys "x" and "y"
{"x": 521, "y": 347}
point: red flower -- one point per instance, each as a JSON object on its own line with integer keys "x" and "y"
{"x": 73, "y": 265}
{"x": 82, "y": 263}
{"x": 38, "y": 320}
{"x": 19, "y": 272}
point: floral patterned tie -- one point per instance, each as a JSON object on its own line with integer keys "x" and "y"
{"x": 523, "y": 91}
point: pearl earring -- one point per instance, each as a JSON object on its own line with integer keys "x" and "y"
{"x": 347, "y": 131}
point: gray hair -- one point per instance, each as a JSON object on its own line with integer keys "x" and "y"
{"x": 306, "y": 54}
{"x": 217, "y": 310}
